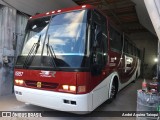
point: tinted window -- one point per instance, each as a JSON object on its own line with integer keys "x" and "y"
{"x": 115, "y": 39}
{"x": 130, "y": 48}
{"x": 126, "y": 46}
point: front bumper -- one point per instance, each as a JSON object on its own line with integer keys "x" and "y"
{"x": 75, "y": 103}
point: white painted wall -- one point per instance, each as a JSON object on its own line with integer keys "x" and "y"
{"x": 143, "y": 15}
{"x": 153, "y": 8}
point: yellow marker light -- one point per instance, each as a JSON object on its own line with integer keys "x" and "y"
{"x": 65, "y": 87}
{"x": 81, "y": 89}
{"x": 72, "y": 88}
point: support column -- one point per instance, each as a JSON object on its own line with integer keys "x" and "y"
{"x": 7, "y": 28}
{"x": 153, "y": 8}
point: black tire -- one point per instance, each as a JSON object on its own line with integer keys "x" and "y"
{"x": 113, "y": 92}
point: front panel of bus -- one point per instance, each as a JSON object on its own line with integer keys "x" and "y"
{"x": 63, "y": 53}
{"x": 55, "y": 52}
{"x": 64, "y": 50}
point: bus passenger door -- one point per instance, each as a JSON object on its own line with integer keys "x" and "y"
{"x": 98, "y": 46}
{"x": 98, "y": 59}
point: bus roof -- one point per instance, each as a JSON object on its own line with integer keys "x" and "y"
{"x": 62, "y": 11}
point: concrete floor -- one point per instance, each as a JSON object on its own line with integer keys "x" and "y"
{"x": 125, "y": 101}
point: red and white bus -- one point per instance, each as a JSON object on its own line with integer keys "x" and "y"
{"x": 73, "y": 60}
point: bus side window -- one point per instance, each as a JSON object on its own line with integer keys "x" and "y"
{"x": 134, "y": 53}
{"x": 126, "y": 46}
{"x": 129, "y": 48}
{"x": 104, "y": 45}
{"x": 138, "y": 52}
{"x": 115, "y": 39}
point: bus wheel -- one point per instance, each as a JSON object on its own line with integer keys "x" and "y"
{"x": 113, "y": 92}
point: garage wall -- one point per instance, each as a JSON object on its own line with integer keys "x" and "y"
{"x": 148, "y": 42}
{"x": 9, "y": 19}
{"x": 7, "y": 28}
{"x": 21, "y": 22}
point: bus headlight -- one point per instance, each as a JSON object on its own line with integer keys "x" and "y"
{"x": 70, "y": 88}
{"x": 65, "y": 87}
{"x": 19, "y": 82}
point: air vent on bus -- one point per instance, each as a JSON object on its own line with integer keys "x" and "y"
{"x": 69, "y": 102}
{"x": 45, "y": 85}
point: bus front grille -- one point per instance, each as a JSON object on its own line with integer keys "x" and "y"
{"x": 43, "y": 85}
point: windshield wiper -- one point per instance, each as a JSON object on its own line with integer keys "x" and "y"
{"x": 51, "y": 51}
{"x": 32, "y": 53}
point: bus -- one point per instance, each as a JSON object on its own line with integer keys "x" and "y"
{"x": 73, "y": 59}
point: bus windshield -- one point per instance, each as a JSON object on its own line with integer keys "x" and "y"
{"x": 56, "y": 41}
